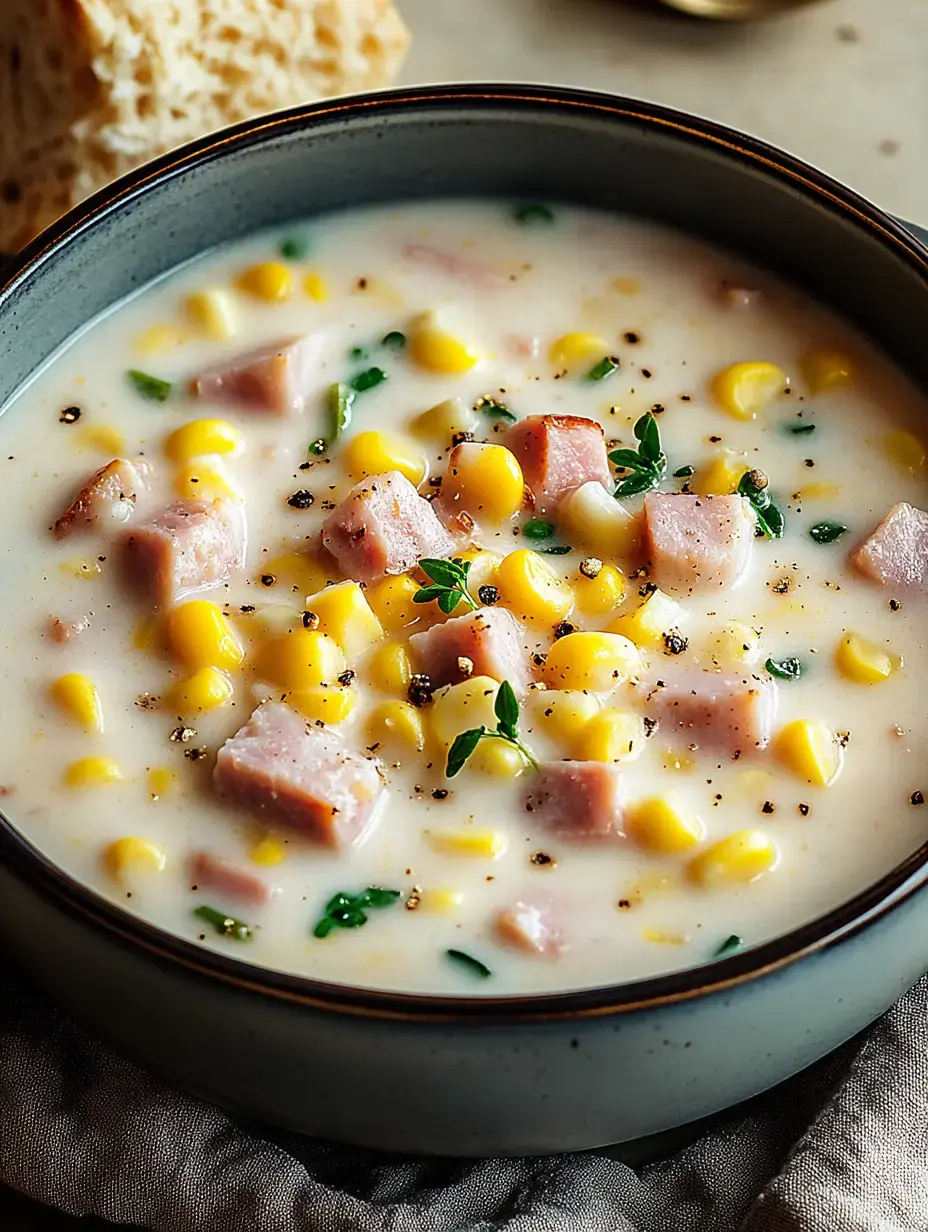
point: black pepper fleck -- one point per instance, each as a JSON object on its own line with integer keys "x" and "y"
{"x": 674, "y": 642}
{"x": 346, "y": 678}
{"x": 804, "y": 810}
{"x": 440, "y": 793}
{"x": 563, "y": 628}
{"x": 917, "y": 797}
{"x": 194, "y": 754}
{"x": 631, "y": 337}
{"x": 894, "y": 605}
{"x": 180, "y": 735}
{"x": 246, "y": 608}
{"x": 268, "y": 579}
{"x": 419, "y": 692}
{"x": 541, "y": 859}
{"x": 488, "y": 595}
{"x": 768, "y": 807}
{"x": 70, "y": 415}
{"x": 310, "y": 620}
{"x": 301, "y": 499}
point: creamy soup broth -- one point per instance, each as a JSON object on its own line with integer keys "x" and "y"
{"x": 508, "y": 287}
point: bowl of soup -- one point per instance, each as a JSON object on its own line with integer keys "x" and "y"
{"x": 464, "y": 617}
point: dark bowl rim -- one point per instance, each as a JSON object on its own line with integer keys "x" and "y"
{"x": 835, "y": 927}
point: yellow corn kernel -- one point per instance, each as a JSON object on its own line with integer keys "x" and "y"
{"x": 817, "y": 491}
{"x": 626, "y": 286}
{"x": 269, "y": 281}
{"x": 745, "y": 389}
{"x": 436, "y": 350}
{"x": 345, "y": 614}
{"x": 905, "y": 450}
{"x": 207, "y": 689}
{"x": 531, "y": 588}
{"x": 496, "y": 759}
{"x": 440, "y": 901}
{"x": 441, "y": 422}
{"x": 860, "y": 660}
{"x": 483, "y": 566}
{"x": 825, "y": 369}
{"x": 810, "y": 750}
{"x": 86, "y": 570}
{"x": 77, "y": 696}
{"x": 104, "y": 439}
{"x": 297, "y": 572}
{"x": 390, "y": 670}
{"x": 300, "y": 660}
{"x": 92, "y": 772}
{"x": 734, "y": 644}
{"x": 459, "y": 707}
{"x": 161, "y": 782}
{"x": 563, "y": 713}
{"x": 660, "y": 825}
{"x": 591, "y": 661}
{"x": 392, "y": 602}
{"x": 679, "y": 763}
{"x": 199, "y": 635}
{"x": 315, "y": 287}
{"x": 372, "y": 453}
{"x": 593, "y": 520}
{"x": 482, "y": 843}
{"x": 396, "y": 725}
{"x": 201, "y": 436}
{"x": 268, "y": 852}
{"x": 329, "y": 704}
{"x": 600, "y": 594}
{"x": 206, "y": 479}
{"x": 611, "y": 735}
{"x": 213, "y": 312}
{"x": 160, "y": 338}
{"x": 574, "y": 351}
{"x": 650, "y": 621}
{"x": 272, "y": 620}
{"x": 741, "y": 857}
{"x": 721, "y": 476}
{"x": 659, "y": 937}
{"x": 485, "y": 480}
{"x": 133, "y": 855}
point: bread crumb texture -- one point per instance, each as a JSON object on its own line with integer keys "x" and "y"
{"x": 90, "y": 89}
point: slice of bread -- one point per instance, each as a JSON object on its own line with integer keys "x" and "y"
{"x": 91, "y": 88}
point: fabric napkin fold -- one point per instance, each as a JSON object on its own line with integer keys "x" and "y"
{"x": 842, "y": 1147}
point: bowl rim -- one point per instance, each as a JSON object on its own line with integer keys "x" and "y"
{"x": 832, "y": 928}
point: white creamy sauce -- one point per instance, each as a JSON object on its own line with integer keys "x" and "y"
{"x": 654, "y": 298}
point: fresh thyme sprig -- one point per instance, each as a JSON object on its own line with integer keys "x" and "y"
{"x": 506, "y": 709}
{"x": 647, "y": 464}
{"x": 449, "y": 584}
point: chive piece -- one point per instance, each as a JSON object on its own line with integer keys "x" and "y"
{"x": 784, "y": 669}
{"x": 358, "y": 352}
{"x": 349, "y": 910}
{"x": 369, "y": 379}
{"x": 800, "y": 429}
{"x": 294, "y": 247}
{"x": 340, "y": 403}
{"x": 225, "y": 925}
{"x": 394, "y": 340}
{"x": 606, "y": 366}
{"x": 532, "y": 213}
{"x": 728, "y": 946}
{"x": 557, "y": 549}
{"x": 826, "y": 532}
{"x": 474, "y": 965}
{"x": 317, "y": 447}
{"x": 684, "y": 472}
{"x": 495, "y": 409}
{"x": 535, "y": 528}
{"x": 150, "y": 387}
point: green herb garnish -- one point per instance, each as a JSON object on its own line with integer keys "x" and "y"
{"x": 533, "y": 213}
{"x": 606, "y": 366}
{"x": 472, "y": 964}
{"x": 684, "y": 472}
{"x": 317, "y": 447}
{"x": 494, "y": 409}
{"x": 728, "y": 946}
{"x": 556, "y": 549}
{"x": 784, "y": 669}
{"x": 449, "y": 584}
{"x": 506, "y": 709}
{"x": 770, "y": 520}
{"x": 647, "y": 464}
{"x": 800, "y": 429}
{"x": 369, "y": 379}
{"x": 535, "y": 528}
{"x": 150, "y": 387}
{"x": 339, "y": 406}
{"x": 294, "y": 247}
{"x": 358, "y": 352}
{"x": 350, "y": 910}
{"x": 827, "y": 532}
{"x": 394, "y": 340}
{"x": 225, "y": 925}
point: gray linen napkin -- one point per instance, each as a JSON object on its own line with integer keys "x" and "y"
{"x": 841, "y": 1148}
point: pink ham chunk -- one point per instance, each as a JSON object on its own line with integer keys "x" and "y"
{"x": 289, "y": 772}
{"x": 728, "y": 714}
{"x": 210, "y": 872}
{"x": 275, "y": 379}
{"x": 384, "y": 526}
{"x": 577, "y": 800}
{"x": 457, "y": 268}
{"x": 106, "y": 500}
{"x": 490, "y": 642}
{"x": 189, "y": 547}
{"x": 896, "y": 553}
{"x": 697, "y": 544}
{"x": 559, "y": 453}
{"x": 533, "y": 927}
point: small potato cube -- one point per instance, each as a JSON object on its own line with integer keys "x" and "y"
{"x": 562, "y": 714}
{"x": 213, "y": 312}
{"x": 271, "y": 281}
{"x": 199, "y": 635}
{"x": 474, "y": 842}
{"x": 651, "y": 620}
{"x": 92, "y": 772}
{"x": 740, "y": 858}
{"x": 396, "y": 726}
{"x": 484, "y": 480}
{"x": 77, "y": 696}
{"x": 599, "y": 595}
{"x": 202, "y": 436}
{"x": 390, "y": 670}
{"x": 125, "y": 856}
{"x": 375, "y": 453}
{"x": 611, "y": 735}
{"x": 598, "y": 661}
{"x": 345, "y": 614}
{"x": 392, "y": 601}
{"x": 207, "y": 689}
{"x": 593, "y": 520}
{"x": 300, "y": 660}
{"x": 328, "y": 704}
{"x": 810, "y": 750}
{"x": 823, "y": 370}
{"x": 441, "y": 422}
{"x": 460, "y": 707}
{"x": 734, "y": 644}
{"x": 532, "y": 590}
{"x": 863, "y": 661}
{"x": 436, "y": 350}
{"x": 744, "y": 390}
{"x": 662, "y": 826}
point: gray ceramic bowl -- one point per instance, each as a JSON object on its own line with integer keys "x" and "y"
{"x": 450, "y": 1075}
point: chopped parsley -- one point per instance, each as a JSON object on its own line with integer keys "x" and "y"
{"x": 495, "y": 409}
{"x": 784, "y": 669}
{"x": 152, "y": 388}
{"x": 350, "y": 910}
{"x": 826, "y": 532}
{"x": 729, "y": 946}
{"x": 294, "y": 247}
{"x": 369, "y": 379}
{"x": 535, "y": 528}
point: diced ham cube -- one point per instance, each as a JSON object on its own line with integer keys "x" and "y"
{"x": 210, "y": 872}
{"x": 276, "y": 379}
{"x": 697, "y": 544}
{"x": 577, "y": 800}
{"x": 292, "y": 773}
{"x": 559, "y": 453}
{"x": 384, "y": 526}
{"x": 108, "y": 499}
{"x": 189, "y": 547}
{"x": 64, "y": 631}
{"x": 896, "y": 553}
{"x": 533, "y": 927}
{"x": 458, "y": 268}
{"x": 490, "y": 642}
{"x": 729, "y": 714}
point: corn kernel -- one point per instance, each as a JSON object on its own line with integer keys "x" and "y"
{"x": 269, "y": 281}
{"x": 591, "y": 661}
{"x": 660, "y": 825}
{"x": 268, "y": 852}
{"x": 595, "y": 521}
{"x": 563, "y": 713}
{"x": 272, "y": 620}
{"x": 92, "y": 772}
{"x": 85, "y": 570}
{"x": 659, "y": 936}
{"x": 825, "y": 369}
{"x": 201, "y": 436}
{"x": 810, "y": 750}
{"x": 441, "y": 422}
{"x": 571, "y": 352}
{"x": 207, "y": 689}
{"x": 213, "y": 312}
{"x": 390, "y": 670}
{"x": 160, "y": 338}
{"x": 315, "y": 287}
{"x": 483, "y": 567}
{"x": 345, "y": 614}
{"x": 496, "y": 759}
{"x": 392, "y": 602}
{"x": 741, "y": 857}
{"x": 206, "y": 479}
{"x": 436, "y": 350}
{"x": 611, "y": 735}
{"x": 459, "y": 707}
{"x": 905, "y": 450}
{"x": 104, "y": 439}
{"x": 161, "y": 782}
{"x": 329, "y": 704}
{"x": 734, "y": 645}
{"x": 198, "y": 635}
{"x": 77, "y": 696}
{"x": 298, "y": 572}
{"x": 650, "y": 621}
{"x": 485, "y": 480}
{"x": 396, "y": 725}
{"x": 860, "y": 660}
{"x": 131, "y": 855}
{"x": 440, "y": 901}
{"x": 372, "y": 453}
{"x": 531, "y": 588}
{"x": 745, "y": 389}
{"x": 601, "y": 594}
{"x": 300, "y": 660}
{"x": 626, "y": 286}
{"x": 722, "y": 475}
{"x": 483, "y": 844}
